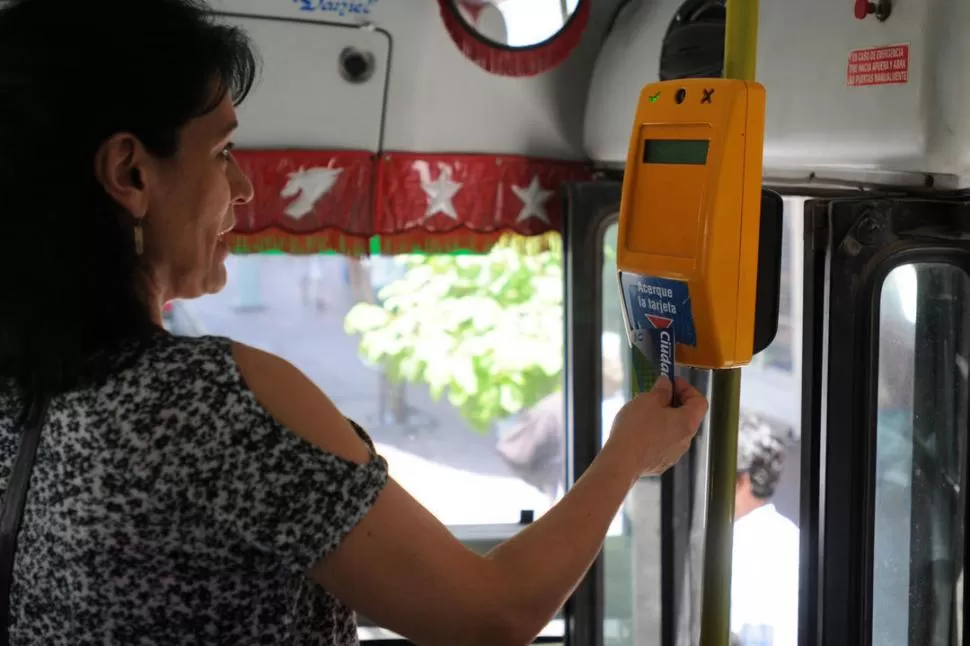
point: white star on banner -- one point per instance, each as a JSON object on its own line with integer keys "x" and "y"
{"x": 440, "y": 192}
{"x": 533, "y": 201}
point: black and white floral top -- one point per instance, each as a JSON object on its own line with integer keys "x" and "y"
{"x": 167, "y": 507}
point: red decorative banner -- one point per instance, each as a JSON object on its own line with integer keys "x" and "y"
{"x": 313, "y": 201}
{"x": 306, "y": 201}
{"x": 480, "y": 193}
{"x": 300, "y": 191}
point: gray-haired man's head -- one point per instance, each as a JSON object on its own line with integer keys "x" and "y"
{"x": 761, "y": 456}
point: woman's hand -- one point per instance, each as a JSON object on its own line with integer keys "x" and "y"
{"x": 653, "y": 431}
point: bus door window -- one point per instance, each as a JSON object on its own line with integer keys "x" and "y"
{"x": 921, "y": 425}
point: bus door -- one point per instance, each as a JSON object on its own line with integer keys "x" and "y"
{"x": 885, "y": 377}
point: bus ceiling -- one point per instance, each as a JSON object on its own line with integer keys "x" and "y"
{"x": 870, "y": 97}
{"x": 854, "y": 97}
{"x": 447, "y": 76}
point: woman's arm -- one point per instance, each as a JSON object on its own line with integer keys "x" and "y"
{"x": 403, "y": 569}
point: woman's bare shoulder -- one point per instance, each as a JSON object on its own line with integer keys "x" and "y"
{"x": 297, "y": 403}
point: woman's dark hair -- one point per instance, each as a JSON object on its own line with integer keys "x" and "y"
{"x": 72, "y": 74}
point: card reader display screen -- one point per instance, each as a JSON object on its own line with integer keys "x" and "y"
{"x": 675, "y": 151}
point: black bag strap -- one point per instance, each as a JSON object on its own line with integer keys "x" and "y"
{"x": 32, "y": 421}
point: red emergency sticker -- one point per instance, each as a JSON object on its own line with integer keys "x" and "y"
{"x": 887, "y": 65}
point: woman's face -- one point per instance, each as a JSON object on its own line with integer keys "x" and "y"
{"x": 184, "y": 203}
{"x": 190, "y": 208}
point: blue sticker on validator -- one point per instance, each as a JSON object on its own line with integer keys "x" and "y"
{"x": 659, "y": 304}
{"x": 659, "y": 316}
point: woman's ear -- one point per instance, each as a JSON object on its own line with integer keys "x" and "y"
{"x": 119, "y": 166}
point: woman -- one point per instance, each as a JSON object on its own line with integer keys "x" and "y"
{"x": 195, "y": 490}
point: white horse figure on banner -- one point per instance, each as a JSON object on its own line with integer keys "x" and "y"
{"x": 308, "y": 186}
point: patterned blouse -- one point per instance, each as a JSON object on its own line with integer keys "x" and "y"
{"x": 167, "y": 507}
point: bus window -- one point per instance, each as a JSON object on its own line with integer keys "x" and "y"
{"x": 764, "y": 598}
{"x": 631, "y": 561}
{"x": 920, "y": 452}
{"x": 452, "y": 362}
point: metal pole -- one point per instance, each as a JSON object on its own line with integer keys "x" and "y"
{"x": 740, "y": 62}
{"x": 718, "y": 533}
{"x": 741, "y": 40}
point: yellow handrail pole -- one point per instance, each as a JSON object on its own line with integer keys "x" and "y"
{"x": 741, "y": 40}
{"x": 740, "y": 62}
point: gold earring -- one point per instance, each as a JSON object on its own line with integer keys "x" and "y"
{"x": 139, "y": 238}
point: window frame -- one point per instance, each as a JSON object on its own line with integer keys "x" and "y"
{"x": 851, "y": 246}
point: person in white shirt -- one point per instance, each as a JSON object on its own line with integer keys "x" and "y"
{"x": 764, "y": 582}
